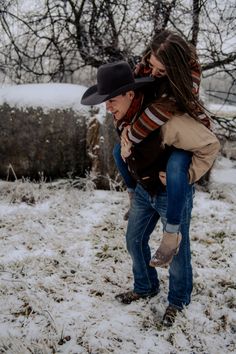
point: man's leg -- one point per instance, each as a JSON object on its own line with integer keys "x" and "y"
{"x": 142, "y": 221}
{"x": 180, "y": 271}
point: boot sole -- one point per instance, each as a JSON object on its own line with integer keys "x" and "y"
{"x": 164, "y": 265}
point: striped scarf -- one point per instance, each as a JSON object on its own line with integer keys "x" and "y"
{"x": 132, "y": 112}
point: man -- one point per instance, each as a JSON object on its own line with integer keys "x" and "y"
{"x": 115, "y": 86}
{"x": 124, "y": 99}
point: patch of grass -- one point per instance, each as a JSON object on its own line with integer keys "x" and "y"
{"x": 219, "y": 236}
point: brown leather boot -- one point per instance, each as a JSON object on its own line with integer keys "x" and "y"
{"x": 131, "y": 195}
{"x": 170, "y": 315}
{"x": 168, "y": 248}
{"x": 130, "y": 296}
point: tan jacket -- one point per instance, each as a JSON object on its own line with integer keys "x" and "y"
{"x": 185, "y": 132}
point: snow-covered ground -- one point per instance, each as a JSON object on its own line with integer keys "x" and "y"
{"x": 47, "y": 97}
{"x": 63, "y": 259}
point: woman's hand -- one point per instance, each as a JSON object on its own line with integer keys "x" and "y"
{"x": 138, "y": 69}
{"x": 125, "y": 149}
{"x": 124, "y": 134}
{"x": 162, "y": 177}
{"x": 126, "y": 144}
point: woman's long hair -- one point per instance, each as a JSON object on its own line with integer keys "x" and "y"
{"x": 177, "y": 55}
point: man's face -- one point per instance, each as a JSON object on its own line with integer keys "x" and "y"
{"x": 158, "y": 69}
{"x": 119, "y": 105}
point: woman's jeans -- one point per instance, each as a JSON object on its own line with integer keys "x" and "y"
{"x": 144, "y": 215}
{"x": 177, "y": 187}
{"x": 123, "y": 169}
{"x": 177, "y": 183}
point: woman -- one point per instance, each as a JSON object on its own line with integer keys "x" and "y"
{"x": 173, "y": 62}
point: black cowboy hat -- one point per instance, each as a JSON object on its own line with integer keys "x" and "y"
{"x": 113, "y": 79}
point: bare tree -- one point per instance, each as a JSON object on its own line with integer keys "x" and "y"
{"x": 54, "y": 39}
{"x": 64, "y": 36}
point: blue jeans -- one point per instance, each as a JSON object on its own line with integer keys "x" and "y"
{"x": 177, "y": 187}
{"x": 144, "y": 215}
{"x": 177, "y": 183}
{"x": 123, "y": 169}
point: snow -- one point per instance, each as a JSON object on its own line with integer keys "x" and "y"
{"x": 222, "y": 108}
{"x": 63, "y": 259}
{"x": 225, "y": 171}
{"x": 49, "y": 96}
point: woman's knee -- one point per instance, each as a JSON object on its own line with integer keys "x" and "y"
{"x": 178, "y": 162}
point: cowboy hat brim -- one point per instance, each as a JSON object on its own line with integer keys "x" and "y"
{"x": 91, "y": 96}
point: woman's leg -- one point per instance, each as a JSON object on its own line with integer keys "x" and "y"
{"x": 177, "y": 190}
{"x": 123, "y": 169}
{"x": 128, "y": 179}
{"x": 177, "y": 186}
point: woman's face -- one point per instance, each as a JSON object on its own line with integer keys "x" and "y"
{"x": 158, "y": 69}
